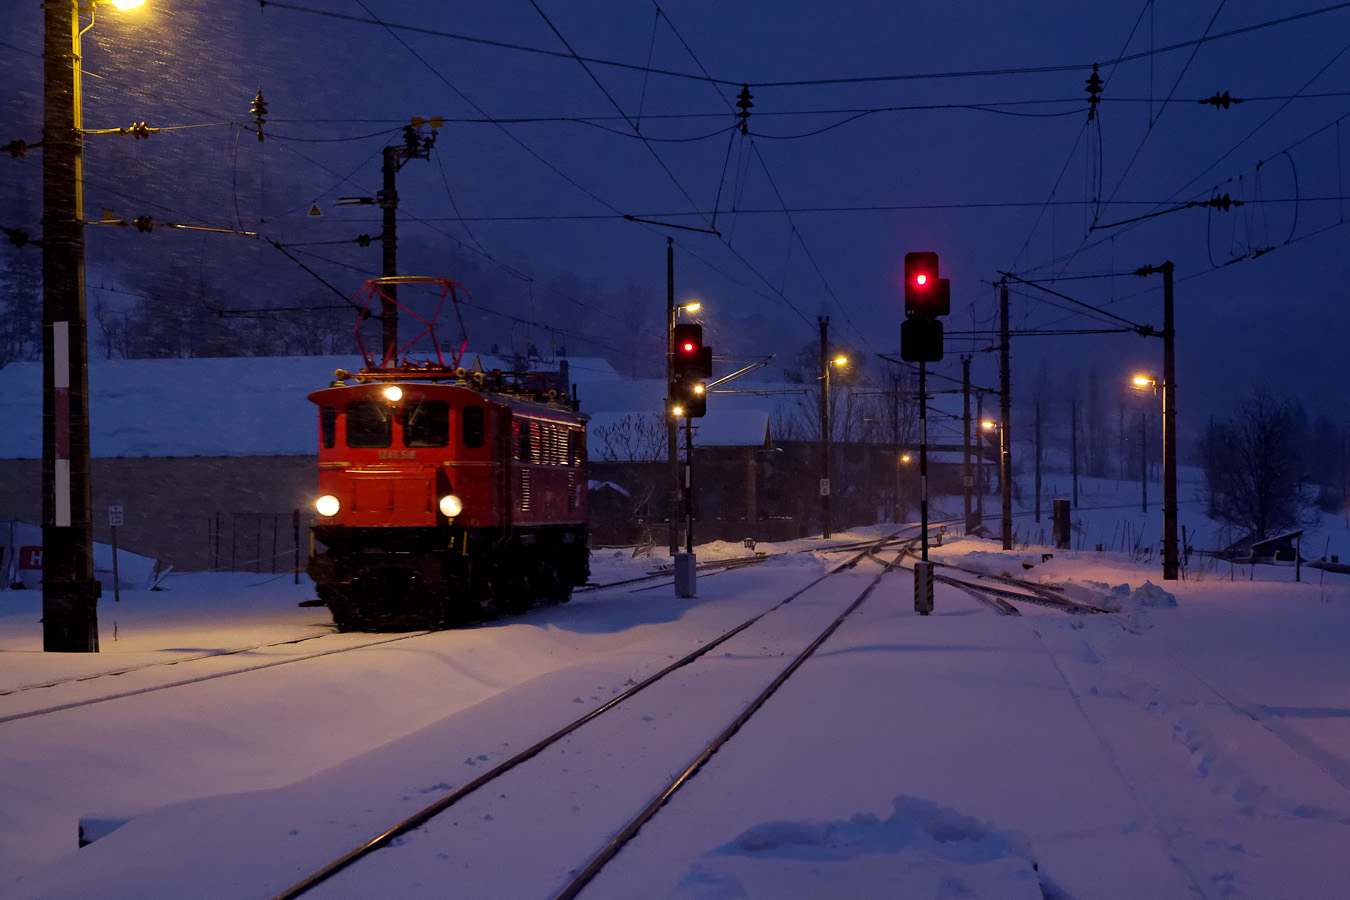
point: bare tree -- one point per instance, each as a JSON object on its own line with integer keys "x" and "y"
{"x": 20, "y": 305}
{"x": 634, "y": 438}
{"x": 1252, "y": 467}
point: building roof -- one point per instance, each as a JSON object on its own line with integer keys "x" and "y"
{"x": 236, "y": 406}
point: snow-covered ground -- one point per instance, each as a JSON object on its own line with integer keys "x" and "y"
{"x": 1194, "y": 744}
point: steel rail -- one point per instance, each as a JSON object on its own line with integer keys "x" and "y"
{"x": 75, "y": 704}
{"x": 629, "y": 831}
{"x": 448, "y": 800}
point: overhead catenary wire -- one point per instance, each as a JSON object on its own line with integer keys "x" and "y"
{"x": 838, "y": 80}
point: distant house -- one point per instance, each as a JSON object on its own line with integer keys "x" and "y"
{"x": 1280, "y": 548}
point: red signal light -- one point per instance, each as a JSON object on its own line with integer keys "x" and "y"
{"x": 922, "y": 286}
{"x": 687, "y": 347}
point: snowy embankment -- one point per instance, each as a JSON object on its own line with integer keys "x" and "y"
{"x": 1196, "y": 743}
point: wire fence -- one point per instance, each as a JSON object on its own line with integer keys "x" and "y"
{"x": 256, "y": 542}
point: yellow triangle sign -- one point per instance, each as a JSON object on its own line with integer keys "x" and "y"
{"x": 314, "y": 210}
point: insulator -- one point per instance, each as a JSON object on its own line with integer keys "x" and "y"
{"x": 259, "y": 111}
{"x": 744, "y": 102}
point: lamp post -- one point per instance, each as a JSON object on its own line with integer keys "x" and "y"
{"x": 69, "y": 590}
{"x": 1171, "y": 562}
{"x": 826, "y": 441}
{"x": 1142, "y": 382}
{"x": 902, "y": 461}
{"x": 1004, "y": 479}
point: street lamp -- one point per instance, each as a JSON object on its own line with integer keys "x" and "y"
{"x": 826, "y": 441}
{"x": 1144, "y": 382}
{"x": 1004, "y": 479}
{"x": 1171, "y": 562}
{"x": 70, "y": 592}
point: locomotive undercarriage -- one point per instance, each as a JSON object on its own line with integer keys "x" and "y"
{"x": 411, "y": 579}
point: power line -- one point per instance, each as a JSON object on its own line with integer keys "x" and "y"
{"x": 868, "y": 79}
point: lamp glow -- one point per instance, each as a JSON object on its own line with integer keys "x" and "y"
{"x": 327, "y": 505}
{"x": 128, "y": 4}
{"x": 393, "y": 393}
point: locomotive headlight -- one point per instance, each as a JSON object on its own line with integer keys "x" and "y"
{"x": 451, "y": 506}
{"x": 393, "y": 393}
{"x": 327, "y": 505}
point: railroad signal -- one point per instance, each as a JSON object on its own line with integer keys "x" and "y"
{"x": 691, "y": 363}
{"x": 921, "y": 340}
{"x": 926, "y": 295}
{"x": 688, "y": 399}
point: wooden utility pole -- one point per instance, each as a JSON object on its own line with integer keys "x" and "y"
{"x": 826, "y": 526}
{"x": 69, "y": 590}
{"x": 1005, "y": 411}
{"x": 388, "y": 199}
{"x": 966, "y": 479}
{"x": 1171, "y": 562}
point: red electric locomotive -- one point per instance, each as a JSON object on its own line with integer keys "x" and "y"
{"x": 445, "y": 496}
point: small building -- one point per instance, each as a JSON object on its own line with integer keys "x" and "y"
{"x": 1280, "y": 548}
{"x": 213, "y": 461}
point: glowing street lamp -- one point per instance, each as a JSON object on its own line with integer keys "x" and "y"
{"x": 1004, "y": 479}
{"x": 1143, "y": 381}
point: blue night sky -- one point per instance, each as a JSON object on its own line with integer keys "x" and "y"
{"x": 877, "y": 128}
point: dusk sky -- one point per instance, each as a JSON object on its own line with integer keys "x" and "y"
{"x": 877, "y": 128}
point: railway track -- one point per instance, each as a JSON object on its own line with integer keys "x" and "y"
{"x": 661, "y": 578}
{"x": 180, "y": 682}
{"x": 749, "y": 639}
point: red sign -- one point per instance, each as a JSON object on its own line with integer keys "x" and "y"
{"x": 30, "y": 558}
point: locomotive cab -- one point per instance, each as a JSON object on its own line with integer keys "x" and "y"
{"x": 445, "y": 497}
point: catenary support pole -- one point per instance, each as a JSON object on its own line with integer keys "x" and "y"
{"x": 826, "y": 526}
{"x": 966, "y": 479}
{"x": 388, "y": 199}
{"x": 672, "y": 423}
{"x": 1005, "y": 412}
{"x": 69, "y": 590}
{"x": 1171, "y": 563}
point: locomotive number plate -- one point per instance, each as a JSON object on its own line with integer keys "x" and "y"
{"x": 397, "y": 454}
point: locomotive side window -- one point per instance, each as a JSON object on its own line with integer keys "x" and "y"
{"x": 328, "y": 426}
{"x": 426, "y": 424}
{"x": 472, "y": 426}
{"x": 526, "y": 440}
{"x": 368, "y": 424}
